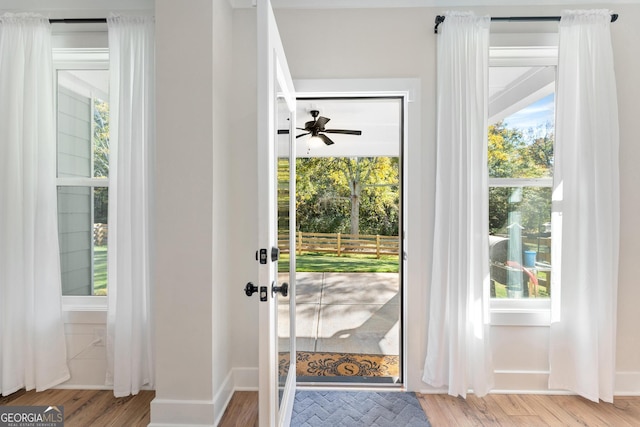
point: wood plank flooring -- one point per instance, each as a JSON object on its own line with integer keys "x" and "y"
{"x": 493, "y": 410}
{"x": 99, "y": 408}
{"x": 96, "y": 408}
{"x": 242, "y": 410}
{"x": 528, "y": 410}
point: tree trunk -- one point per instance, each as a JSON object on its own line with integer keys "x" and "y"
{"x": 355, "y": 207}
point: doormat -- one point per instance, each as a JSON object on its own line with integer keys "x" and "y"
{"x": 357, "y": 408}
{"x": 316, "y": 364}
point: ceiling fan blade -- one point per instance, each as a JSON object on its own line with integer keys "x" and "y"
{"x": 343, "y": 131}
{"x": 283, "y": 131}
{"x": 303, "y": 134}
{"x": 325, "y": 139}
{"x": 309, "y": 125}
{"x": 321, "y": 121}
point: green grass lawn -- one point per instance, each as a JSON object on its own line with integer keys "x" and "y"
{"x": 351, "y": 263}
{"x": 100, "y": 270}
{"x": 501, "y": 291}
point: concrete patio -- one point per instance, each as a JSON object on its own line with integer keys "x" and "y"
{"x": 344, "y": 313}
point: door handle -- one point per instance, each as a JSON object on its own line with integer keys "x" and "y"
{"x": 283, "y": 289}
{"x": 250, "y": 289}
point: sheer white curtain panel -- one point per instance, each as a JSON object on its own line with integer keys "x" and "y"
{"x": 130, "y": 360}
{"x": 586, "y": 209}
{"x": 458, "y": 348}
{"x": 32, "y": 343}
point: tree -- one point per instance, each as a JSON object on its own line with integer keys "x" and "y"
{"x": 100, "y": 157}
{"x": 332, "y": 192}
{"x": 514, "y": 153}
{"x": 100, "y": 138}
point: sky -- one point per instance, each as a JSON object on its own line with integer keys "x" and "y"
{"x": 538, "y": 113}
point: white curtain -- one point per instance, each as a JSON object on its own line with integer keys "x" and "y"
{"x": 130, "y": 363}
{"x": 586, "y": 210}
{"x": 32, "y": 342}
{"x": 458, "y": 350}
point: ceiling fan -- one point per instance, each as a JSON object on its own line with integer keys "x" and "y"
{"x": 316, "y": 128}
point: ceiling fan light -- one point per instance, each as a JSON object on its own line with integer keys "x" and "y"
{"x": 315, "y": 142}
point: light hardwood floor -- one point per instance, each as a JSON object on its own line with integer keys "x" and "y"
{"x": 83, "y": 408}
{"x": 99, "y": 408}
{"x": 493, "y": 410}
{"x": 529, "y": 410}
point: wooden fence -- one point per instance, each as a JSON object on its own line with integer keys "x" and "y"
{"x": 338, "y": 243}
{"x": 542, "y": 245}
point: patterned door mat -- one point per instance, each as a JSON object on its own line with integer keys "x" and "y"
{"x": 357, "y": 408}
{"x": 316, "y": 364}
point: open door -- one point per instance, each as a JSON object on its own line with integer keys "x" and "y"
{"x": 276, "y": 112}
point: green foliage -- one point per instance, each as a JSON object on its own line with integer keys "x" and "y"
{"x": 100, "y": 157}
{"x": 513, "y": 153}
{"x": 535, "y": 209}
{"x": 100, "y": 138}
{"x": 332, "y": 193}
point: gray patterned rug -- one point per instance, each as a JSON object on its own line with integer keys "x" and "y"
{"x": 357, "y": 408}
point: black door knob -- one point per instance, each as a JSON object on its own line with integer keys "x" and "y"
{"x": 250, "y": 289}
{"x": 283, "y": 289}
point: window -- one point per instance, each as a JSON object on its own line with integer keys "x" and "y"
{"x": 82, "y": 117}
{"x": 520, "y": 163}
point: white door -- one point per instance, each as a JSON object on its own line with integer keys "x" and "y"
{"x": 276, "y": 112}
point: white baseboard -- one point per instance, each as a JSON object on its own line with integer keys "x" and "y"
{"x": 223, "y": 397}
{"x": 83, "y": 387}
{"x": 245, "y": 379}
{"x": 627, "y": 384}
{"x": 537, "y": 382}
{"x": 170, "y": 412}
{"x": 199, "y": 413}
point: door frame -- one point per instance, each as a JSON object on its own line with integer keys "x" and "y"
{"x": 273, "y": 72}
{"x": 413, "y": 301}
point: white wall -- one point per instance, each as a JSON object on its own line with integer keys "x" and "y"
{"x": 243, "y": 183}
{"x": 192, "y": 287}
{"x": 392, "y": 43}
{"x": 222, "y": 283}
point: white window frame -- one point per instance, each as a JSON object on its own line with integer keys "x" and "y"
{"x": 513, "y": 50}
{"x": 80, "y": 59}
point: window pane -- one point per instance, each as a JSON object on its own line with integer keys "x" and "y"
{"x": 83, "y": 123}
{"x": 100, "y": 239}
{"x": 82, "y": 229}
{"x": 100, "y": 138}
{"x": 521, "y": 124}
{"x": 520, "y": 241}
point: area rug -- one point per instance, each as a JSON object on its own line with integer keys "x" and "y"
{"x": 357, "y": 408}
{"x": 316, "y": 364}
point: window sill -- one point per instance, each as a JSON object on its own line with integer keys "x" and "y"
{"x": 84, "y": 309}
{"x": 520, "y": 312}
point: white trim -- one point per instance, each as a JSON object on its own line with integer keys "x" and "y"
{"x": 80, "y": 58}
{"x": 85, "y": 314}
{"x": 173, "y": 412}
{"x": 82, "y": 387}
{"x": 409, "y": 90}
{"x": 245, "y": 379}
{"x": 520, "y": 312}
{"x": 523, "y": 49}
{"x": 627, "y": 383}
{"x": 520, "y": 182}
{"x": 223, "y": 397}
{"x": 82, "y": 182}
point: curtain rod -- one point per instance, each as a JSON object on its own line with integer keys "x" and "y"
{"x": 440, "y": 19}
{"x": 79, "y": 21}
